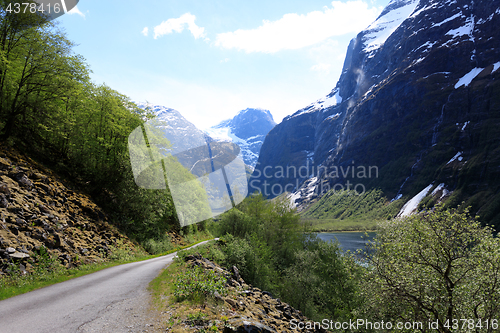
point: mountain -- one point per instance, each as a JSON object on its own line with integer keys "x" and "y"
{"x": 247, "y": 129}
{"x": 176, "y": 122}
{"x": 415, "y": 113}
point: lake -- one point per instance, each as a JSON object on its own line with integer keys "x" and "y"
{"x": 349, "y": 241}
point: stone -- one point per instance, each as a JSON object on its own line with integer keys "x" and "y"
{"x": 236, "y": 273}
{"x": 32, "y": 218}
{"x": 23, "y": 180}
{"x": 4, "y": 203}
{"x": 253, "y": 310}
{"x": 4, "y": 188}
{"x": 4, "y": 164}
{"x": 19, "y": 255}
{"x": 246, "y": 325}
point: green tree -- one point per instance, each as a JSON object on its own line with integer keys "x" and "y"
{"x": 38, "y": 73}
{"x": 440, "y": 266}
{"x": 323, "y": 281}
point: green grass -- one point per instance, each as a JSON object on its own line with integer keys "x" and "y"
{"x": 330, "y": 225}
{"x": 177, "y": 313}
{"x": 349, "y": 211}
{"x": 18, "y": 284}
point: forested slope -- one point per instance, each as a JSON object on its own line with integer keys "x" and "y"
{"x": 51, "y": 110}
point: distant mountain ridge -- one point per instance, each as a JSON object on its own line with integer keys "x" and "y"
{"x": 418, "y": 98}
{"x": 247, "y": 129}
{"x": 173, "y": 118}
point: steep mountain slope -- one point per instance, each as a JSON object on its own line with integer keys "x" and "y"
{"x": 38, "y": 211}
{"x": 415, "y": 111}
{"x": 247, "y": 129}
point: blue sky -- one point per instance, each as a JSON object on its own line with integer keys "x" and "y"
{"x": 210, "y": 59}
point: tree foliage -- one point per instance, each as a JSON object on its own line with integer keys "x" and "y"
{"x": 441, "y": 266}
{"x": 50, "y": 109}
{"x": 266, "y": 241}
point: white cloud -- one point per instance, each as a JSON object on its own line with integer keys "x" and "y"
{"x": 76, "y": 11}
{"x": 145, "y": 31}
{"x": 322, "y": 67}
{"x": 178, "y": 24}
{"x": 328, "y": 56}
{"x": 294, "y": 31}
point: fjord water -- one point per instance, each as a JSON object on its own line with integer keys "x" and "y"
{"x": 349, "y": 241}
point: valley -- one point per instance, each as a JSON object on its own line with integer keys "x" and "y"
{"x": 405, "y": 147}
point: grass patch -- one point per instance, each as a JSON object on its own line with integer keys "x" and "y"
{"x": 179, "y": 295}
{"x": 326, "y": 225}
{"x": 48, "y": 272}
{"x": 349, "y": 211}
{"x": 162, "y": 287}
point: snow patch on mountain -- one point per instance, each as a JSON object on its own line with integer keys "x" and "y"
{"x": 378, "y": 32}
{"x": 496, "y": 66}
{"x": 466, "y": 29}
{"x": 440, "y": 187}
{"x": 467, "y": 78}
{"x": 412, "y": 205}
{"x": 226, "y": 134}
{"x": 458, "y": 156}
{"x": 330, "y": 100}
{"x": 457, "y": 15}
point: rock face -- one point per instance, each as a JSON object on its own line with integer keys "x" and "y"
{"x": 38, "y": 211}
{"x": 247, "y": 129}
{"x": 252, "y": 309}
{"x": 417, "y": 103}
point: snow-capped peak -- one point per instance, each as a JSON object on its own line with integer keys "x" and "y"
{"x": 247, "y": 129}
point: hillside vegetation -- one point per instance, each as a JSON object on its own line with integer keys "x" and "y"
{"x": 424, "y": 273}
{"x": 52, "y": 111}
{"x": 349, "y": 210}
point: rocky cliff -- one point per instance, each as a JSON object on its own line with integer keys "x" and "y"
{"x": 39, "y": 211}
{"x": 416, "y": 108}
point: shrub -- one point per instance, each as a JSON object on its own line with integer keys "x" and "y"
{"x": 197, "y": 283}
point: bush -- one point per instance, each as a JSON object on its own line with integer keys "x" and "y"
{"x": 322, "y": 281}
{"x": 197, "y": 283}
{"x": 155, "y": 246}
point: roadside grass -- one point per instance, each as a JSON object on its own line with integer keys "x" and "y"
{"x": 163, "y": 287}
{"x": 336, "y": 225}
{"x": 50, "y": 272}
{"x": 178, "y": 299}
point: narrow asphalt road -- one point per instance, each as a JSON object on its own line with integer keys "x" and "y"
{"x": 98, "y": 302}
